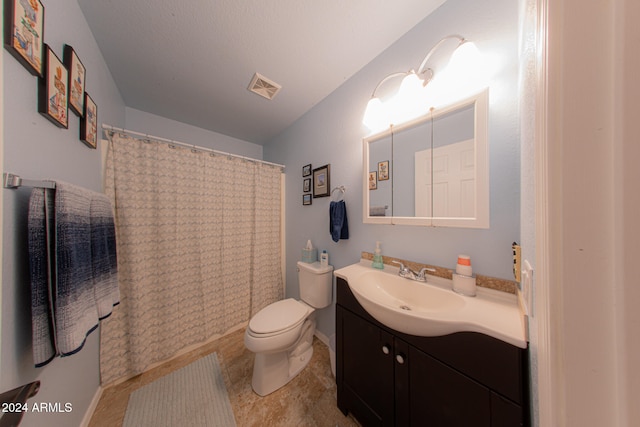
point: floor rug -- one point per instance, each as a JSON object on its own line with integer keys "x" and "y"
{"x": 191, "y": 396}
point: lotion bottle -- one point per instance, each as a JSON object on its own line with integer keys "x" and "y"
{"x": 377, "y": 258}
{"x": 324, "y": 259}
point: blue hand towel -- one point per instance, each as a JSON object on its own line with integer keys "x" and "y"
{"x": 338, "y": 224}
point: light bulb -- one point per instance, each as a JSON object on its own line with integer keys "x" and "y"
{"x": 375, "y": 115}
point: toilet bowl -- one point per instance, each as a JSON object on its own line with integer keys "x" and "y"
{"x": 281, "y": 334}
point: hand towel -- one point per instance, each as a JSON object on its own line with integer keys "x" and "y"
{"x": 41, "y": 241}
{"x": 338, "y": 223}
{"x": 75, "y": 307}
{"x": 103, "y": 255}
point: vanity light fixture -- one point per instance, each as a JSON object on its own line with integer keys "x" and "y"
{"x": 422, "y": 90}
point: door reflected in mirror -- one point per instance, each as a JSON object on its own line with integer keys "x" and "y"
{"x": 437, "y": 169}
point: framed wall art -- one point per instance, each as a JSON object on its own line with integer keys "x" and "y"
{"x": 77, "y": 75}
{"x": 306, "y": 170}
{"x": 383, "y": 170}
{"x": 24, "y": 33}
{"x": 53, "y": 90}
{"x": 306, "y": 185}
{"x": 373, "y": 180}
{"x": 89, "y": 122}
{"x": 306, "y": 199}
{"x": 321, "y": 181}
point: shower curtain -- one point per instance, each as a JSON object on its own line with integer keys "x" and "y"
{"x": 198, "y": 240}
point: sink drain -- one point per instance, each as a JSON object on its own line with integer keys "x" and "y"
{"x": 405, "y": 307}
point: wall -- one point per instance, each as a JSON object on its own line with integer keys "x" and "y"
{"x": 152, "y": 124}
{"x": 36, "y": 149}
{"x": 331, "y": 133}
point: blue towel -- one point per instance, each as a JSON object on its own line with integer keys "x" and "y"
{"x": 41, "y": 223}
{"x": 338, "y": 224}
{"x": 73, "y": 268}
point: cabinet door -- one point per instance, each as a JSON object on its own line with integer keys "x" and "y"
{"x": 441, "y": 396}
{"x": 367, "y": 370}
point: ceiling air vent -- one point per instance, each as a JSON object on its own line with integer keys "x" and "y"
{"x": 263, "y": 86}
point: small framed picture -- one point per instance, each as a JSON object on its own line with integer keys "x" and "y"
{"x": 321, "y": 181}
{"x": 306, "y": 170}
{"x": 383, "y": 170}
{"x": 373, "y": 180}
{"x": 306, "y": 185}
{"x": 306, "y": 199}
{"x": 77, "y": 75}
{"x": 89, "y": 122}
{"x": 24, "y": 33}
{"x": 53, "y": 90}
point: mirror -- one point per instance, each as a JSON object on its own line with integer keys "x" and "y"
{"x": 432, "y": 170}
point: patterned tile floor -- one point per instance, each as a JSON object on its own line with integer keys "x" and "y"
{"x": 308, "y": 400}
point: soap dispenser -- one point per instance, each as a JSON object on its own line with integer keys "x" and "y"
{"x": 377, "y": 258}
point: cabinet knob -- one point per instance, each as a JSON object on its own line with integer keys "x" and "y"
{"x": 385, "y": 349}
{"x": 400, "y": 359}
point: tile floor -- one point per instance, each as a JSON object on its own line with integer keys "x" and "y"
{"x": 308, "y": 400}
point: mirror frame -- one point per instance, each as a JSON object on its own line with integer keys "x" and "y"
{"x": 481, "y": 145}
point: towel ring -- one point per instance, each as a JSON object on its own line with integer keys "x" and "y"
{"x": 340, "y": 195}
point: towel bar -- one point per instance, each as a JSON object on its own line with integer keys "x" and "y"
{"x": 15, "y": 181}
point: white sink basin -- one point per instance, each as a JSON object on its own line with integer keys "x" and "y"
{"x": 433, "y": 309}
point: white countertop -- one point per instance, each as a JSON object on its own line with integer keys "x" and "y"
{"x": 490, "y": 312}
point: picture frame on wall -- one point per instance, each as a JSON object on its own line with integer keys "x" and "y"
{"x": 373, "y": 180}
{"x": 306, "y": 185}
{"x": 321, "y": 181}
{"x": 53, "y": 90}
{"x": 306, "y": 199}
{"x": 77, "y": 76}
{"x": 24, "y": 33}
{"x": 383, "y": 170}
{"x": 89, "y": 122}
{"x": 306, "y": 170}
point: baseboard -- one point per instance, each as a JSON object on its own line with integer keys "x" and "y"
{"x": 92, "y": 408}
{"x": 322, "y": 337}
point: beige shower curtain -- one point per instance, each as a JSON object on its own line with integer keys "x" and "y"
{"x": 198, "y": 239}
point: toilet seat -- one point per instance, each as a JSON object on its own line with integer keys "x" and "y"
{"x": 278, "y": 318}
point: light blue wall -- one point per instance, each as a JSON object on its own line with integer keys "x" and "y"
{"x": 332, "y": 133}
{"x": 152, "y": 124}
{"x": 35, "y": 148}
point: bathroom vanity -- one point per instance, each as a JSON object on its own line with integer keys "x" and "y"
{"x": 390, "y": 378}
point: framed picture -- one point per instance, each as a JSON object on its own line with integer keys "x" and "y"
{"x": 53, "y": 90}
{"x": 373, "y": 180}
{"x": 77, "y": 75}
{"x": 89, "y": 122}
{"x": 306, "y": 170}
{"x": 306, "y": 185}
{"x": 321, "y": 181}
{"x": 383, "y": 170}
{"x": 306, "y": 199}
{"x": 24, "y": 33}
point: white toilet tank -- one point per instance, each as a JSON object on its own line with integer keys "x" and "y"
{"x": 315, "y": 284}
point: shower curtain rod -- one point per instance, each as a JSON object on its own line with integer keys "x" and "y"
{"x": 184, "y": 144}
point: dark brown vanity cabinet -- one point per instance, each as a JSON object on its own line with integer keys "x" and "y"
{"x": 387, "y": 378}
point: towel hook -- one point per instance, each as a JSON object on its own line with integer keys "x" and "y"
{"x": 340, "y": 188}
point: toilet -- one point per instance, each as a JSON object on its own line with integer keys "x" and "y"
{"x": 281, "y": 334}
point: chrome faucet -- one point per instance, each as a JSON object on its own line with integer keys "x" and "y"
{"x": 408, "y": 273}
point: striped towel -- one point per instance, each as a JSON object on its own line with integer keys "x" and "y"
{"x": 79, "y": 264}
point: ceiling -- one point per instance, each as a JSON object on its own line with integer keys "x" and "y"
{"x": 192, "y": 61}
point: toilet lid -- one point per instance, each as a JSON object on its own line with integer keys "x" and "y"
{"x": 278, "y": 316}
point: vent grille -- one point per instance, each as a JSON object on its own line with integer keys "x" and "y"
{"x": 263, "y": 86}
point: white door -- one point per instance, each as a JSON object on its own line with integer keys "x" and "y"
{"x": 454, "y": 181}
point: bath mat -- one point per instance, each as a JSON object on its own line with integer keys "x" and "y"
{"x": 191, "y": 396}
